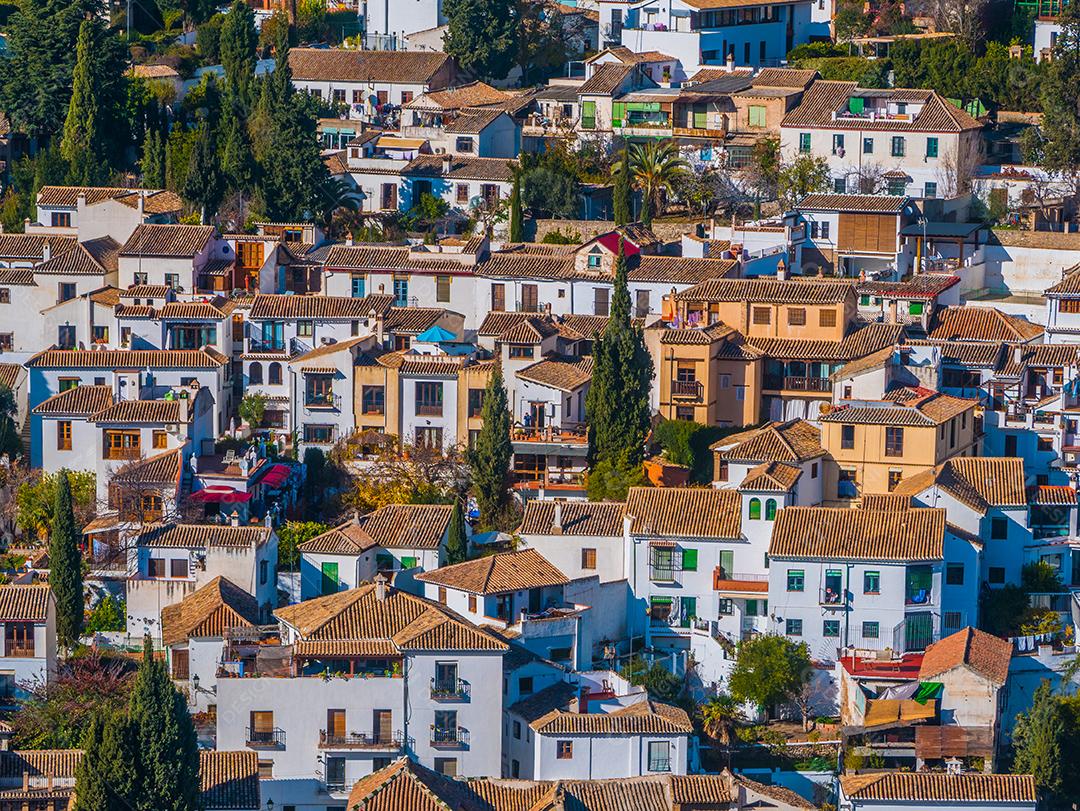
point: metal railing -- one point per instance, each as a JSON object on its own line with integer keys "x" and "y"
{"x": 660, "y": 764}
{"x": 19, "y": 651}
{"x": 265, "y": 738}
{"x": 831, "y": 597}
{"x": 450, "y": 689}
{"x": 321, "y": 400}
{"x": 662, "y": 574}
{"x": 449, "y": 737}
{"x": 264, "y": 345}
{"x": 360, "y": 740}
{"x": 429, "y": 409}
{"x": 687, "y": 388}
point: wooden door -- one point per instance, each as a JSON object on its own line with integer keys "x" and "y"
{"x": 498, "y": 297}
{"x": 529, "y": 298}
{"x": 383, "y": 725}
{"x": 335, "y": 723}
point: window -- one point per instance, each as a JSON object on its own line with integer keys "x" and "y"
{"x": 762, "y": 316}
{"x": 476, "y": 402}
{"x": 319, "y": 434}
{"x": 520, "y": 351}
{"x": 255, "y": 375}
{"x": 461, "y": 193}
{"x": 659, "y": 756}
{"x": 463, "y": 145}
{"x": 429, "y": 399}
{"x": 335, "y": 773}
{"x": 931, "y": 147}
{"x": 67, "y": 383}
{"x": 757, "y": 115}
{"x": 63, "y": 435}
{"x": 180, "y": 662}
{"x": 896, "y": 187}
{"x": 429, "y": 437}
{"x": 172, "y": 280}
{"x": 684, "y": 413}
{"x": 525, "y": 685}
{"x": 804, "y": 142}
{"x": 868, "y": 146}
{"x": 755, "y": 509}
{"x": 564, "y": 750}
{"x": 155, "y": 567}
{"x": 870, "y": 630}
{"x": 871, "y": 582}
{"x": 825, "y": 230}
{"x": 796, "y": 579}
{"x": 689, "y": 560}
{"x": 7, "y": 341}
{"x": 770, "y": 510}
{"x": 160, "y": 440}
{"x": 264, "y": 572}
{"x": 894, "y": 479}
{"x": 996, "y": 575}
{"x": 401, "y": 292}
{"x": 930, "y": 190}
{"x": 61, "y": 219}
{"x": 826, "y": 318}
{"x": 831, "y": 628}
{"x": 442, "y": 288}
{"x": 472, "y": 603}
{"x": 1042, "y": 443}
{"x": 65, "y": 291}
{"x": 999, "y": 529}
{"x": 793, "y": 627}
{"x": 726, "y": 607}
{"x": 588, "y": 558}
{"x": 358, "y": 286}
{"x": 954, "y": 574}
{"x": 894, "y": 441}
{"x": 178, "y": 567}
{"x": 122, "y": 444}
{"x": 898, "y": 146}
{"x": 99, "y": 335}
{"x": 847, "y": 437}
{"x": 373, "y": 399}
{"x": 305, "y": 329}
{"x": 796, "y": 317}
{"x": 838, "y": 144}
{"x": 601, "y": 301}
{"x": 813, "y": 470}
{"x": 273, "y": 374}
{"x": 588, "y": 115}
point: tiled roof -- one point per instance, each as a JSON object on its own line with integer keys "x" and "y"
{"x": 923, "y": 286}
{"x": 979, "y": 482}
{"x": 155, "y": 201}
{"x": 530, "y": 330}
{"x": 319, "y": 307}
{"x": 229, "y": 780}
{"x": 471, "y": 122}
{"x": 783, "y": 77}
{"x": 941, "y": 787}
{"x": 154, "y": 411}
{"x": 969, "y": 323}
{"x": 1015, "y": 357}
{"x": 711, "y": 74}
{"x": 873, "y": 361}
{"x": 886, "y": 501}
{"x": 930, "y": 410}
{"x": 209, "y": 611}
{"x": 686, "y": 512}
{"x": 340, "y": 65}
{"x": 323, "y": 350}
{"x": 410, "y": 622}
{"x": 579, "y": 518}
{"x": 985, "y": 354}
{"x": 10, "y": 374}
{"x": 645, "y": 717}
{"x": 875, "y": 203}
{"x": 127, "y": 359}
{"x": 146, "y": 291}
{"x": 498, "y": 573}
{"x": 164, "y": 468}
{"x": 837, "y": 533}
{"x": 195, "y": 310}
{"x": 1061, "y": 495}
{"x": 106, "y": 296}
{"x": 428, "y": 366}
{"x": 407, "y": 786}
{"x": 1068, "y": 286}
{"x": 412, "y": 320}
{"x": 775, "y": 477}
{"x": 564, "y": 374}
{"x": 688, "y": 335}
{"x": 823, "y": 99}
{"x": 791, "y": 441}
{"x": 27, "y": 603}
{"x": 605, "y": 79}
{"x": 345, "y": 539}
{"x": 474, "y": 94}
{"x": 79, "y": 401}
{"x": 93, "y": 257}
{"x": 31, "y": 246}
{"x": 17, "y": 277}
{"x": 770, "y": 291}
{"x": 155, "y": 239}
{"x": 202, "y": 536}
{"x": 984, "y": 653}
{"x": 678, "y": 269}
{"x": 461, "y": 167}
{"x": 56, "y": 763}
{"x": 408, "y": 526}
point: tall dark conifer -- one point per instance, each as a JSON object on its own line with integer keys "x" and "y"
{"x": 81, "y": 145}
{"x": 457, "y": 544}
{"x": 622, "y": 194}
{"x": 238, "y": 43}
{"x": 65, "y": 566}
{"x": 490, "y": 457}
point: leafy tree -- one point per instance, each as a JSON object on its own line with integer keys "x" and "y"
{"x": 1040, "y": 576}
{"x": 106, "y": 777}
{"x": 850, "y": 20}
{"x": 617, "y": 404}
{"x": 415, "y": 474}
{"x": 204, "y": 184}
{"x": 1037, "y": 742}
{"x": 482, "y": 35}
{"x": 805, "y": 175}
{"x": 658, "y": 681}
{"x": 655, "y": 166}
{"x": 253, "y": 408}
{"x": 490, "y": 456}
{"x": 291, "y": 536}
{"x": 10, "y": 443}
{"x": 65, "y": 567}
{"x": 517, "y": 231}
{"x": 541, "y": 41}
{"x": 153, "y": 160}
{"x": 36, "y": 500}
{"x": 622, "y": 195}
{"x": 609, "y": 480}
{"x": 238, "y": 50}
{"x": 208, "y": 39}
{"x": 1061, "y": 116}
{"x": 548, "y": 185}
{"x": 719, "y": 718}
{"x": 769, "y": 670}
{"x": 457, "y": 545}
{"x": 108, "y": 615}
{"x": 316, "y": 471}
{"x": 81, "y": 144}
{"x": 178, "y": 149}
{"x": 168, "y": 762}
{"x": 763, "y": 172}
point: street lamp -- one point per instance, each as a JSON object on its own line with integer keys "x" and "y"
{"x": 922, "y": 246}
{"x": 270, "y": 805}
{"x": 195, "y": 682}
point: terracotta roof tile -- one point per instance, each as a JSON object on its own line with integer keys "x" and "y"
{"x": 498, "y": 573}
{"x": 981, "y": 324}
{"x": 474, "y": 94}
{"x": 154, "y": 239}
{"x": 55, "y": 763}
{"x": 27, "y": 603}
{"x": 984, "y": 653}
{"x": 408, "y": 526}
{"x": 155, "y": 201}
{"x": 823, "y": 99}
{"x": 163, "y": 468}
{"x": 926, "y": 412}
{"x": 773, "y": 291}
{"x": 319, "y": 307}
{"x": 126, "y": 358}
{"x": 17, "y": 277}
{"x": 195, "y": 310}
{"x": 412, "y": 320}
{"x": 153, "y": 411}
{"x": 877, "y": 203}
{"x": 472, "y": 122}
{"x": 11, "y": 374}
{"x": 606, "y": 79}
{"x": 685, "y": 512}
{"x": 208, "y": 612}
{"x": 31, "y": 246}
{"x": 940, "y": 787}
{"x": 93, "y": 257}
{"x": 980, "y": 482}
{"x": 784, "y": 77}
{"x": 229, "y": 780}
{"x": 792, "y": 441}
{"x": 341, "y": 65}
{"x": 202, "y": 536}
{"x": 564, "y": 374}
{"x": 344, "y": 539}
{"x": 774, "y": 477}
{"x": 886, "y": 501}
{"x": 79, "y": 401}
{"x": 838, "y": 533}
{"x": 579, "y": 518}
{"x": 461, "y": 167}
{"x": 644, "y": 717}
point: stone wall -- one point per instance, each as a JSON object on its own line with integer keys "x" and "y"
{"x": 537, "y": 229}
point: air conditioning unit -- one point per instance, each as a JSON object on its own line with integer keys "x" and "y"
{"x": 326, "y": 340}
{"x": 172, "y": 428}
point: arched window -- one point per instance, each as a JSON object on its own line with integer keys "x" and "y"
{"x": 770, "y": 510}
{"x": 255, "y": 373}
{"x": 755, "y": 509}
{"x": 273, "y": 373}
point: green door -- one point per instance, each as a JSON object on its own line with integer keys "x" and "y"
{"x": 689, "y": 609}
{"x": 329, "y": 578}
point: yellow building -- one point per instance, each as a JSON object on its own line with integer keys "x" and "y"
{"x": 874, "y": 445}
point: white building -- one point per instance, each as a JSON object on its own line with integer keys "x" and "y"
{"x": 366, "y": 676}
{"x": 580, "y": 538}
{"x": 97, "y": 211}
{"x": 894, "y": 791}
{"x": 28, "y": 655}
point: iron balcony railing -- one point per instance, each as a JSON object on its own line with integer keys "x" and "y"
{"x": 449, "y": 736}
{"x": 265, "y": 738}
{"x": 450, "y": 689}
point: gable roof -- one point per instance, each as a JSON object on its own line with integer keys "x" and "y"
{"x": 823, "y": 99}
{"x": 202, "y": 536}
{"x": 461, "y": 167}
{"x": 771, "y": 477}
{"x": 473, "y": 94}
{"x": 267, "y": 305}
{"x": 82, "y": 401}
{"x": 408, "y": 526}
{"x": 924, "y": 409}
{"x": 345, "y": 539}
{"x": 498, "y": 573}
{"x": 770, "y": 291}
{"x": 93, "y": 257}
{"x": 24, "y": 602}
{"x": 155, "y": 201}
{"x": 984, "y": 653}
{"x": 564, "y": 374}
{"x": 549, "y": 712}
{"x": 839, "y": 533}
{"x": 606, "y": 79}
{"x": 941, "y": 787}
{"x": 162, "y": 468}
{"x": 792, "y": 441}
{"x": 31, "y": 246}
{"x": 685, "y": 512}
{"x": 969, "y": 323}
{"x": 342, "y": 65}
{"x": 979, "y": 482}
{"x": 875, "y": 203}
{"x": 158, "y": 239}
{"x": 208, "y": 612}
{"x": 579, "y": 518}
{"x": 229, "y": 780}
{"x": 128, "y": 359}
{"x": 146, "y": 411}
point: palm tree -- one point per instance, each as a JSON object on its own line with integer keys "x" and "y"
{"x": 337, "y": 194}
{"x": 655, "y": 166}
{"x": 719, "y": 717}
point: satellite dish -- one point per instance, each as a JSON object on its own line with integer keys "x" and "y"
{"x": 476, "y": 201}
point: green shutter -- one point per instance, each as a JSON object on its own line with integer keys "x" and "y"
{"x": 727, "y": 564}
{"x": 689, "y": 560}
{"x": 689, "y": 609}
{"x": 855, "y": 105}
{"x": 660, "y": 600}
{"x": 701, "y": 120}
{"x": 617, "y": 111}
{"x": 915, "y": 308}
{"x": 330, "y": 581}
{"x": 588, "y": 115}
{"x": 408, "y": 563}
{"x": 751, "y": 608}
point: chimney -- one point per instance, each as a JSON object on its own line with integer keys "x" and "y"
{"x": 556, "y": 523}
{"x": 348, "y": 241}
{"x": 234, "y": 519}
{"x": 447, "y": 162}
{"x": 46, "y": 251}
{"x": 26, "y": 781}
{"x": 781, "y": 271}
{"x": 141, "y": 205}
{"x": 268, "y": 520}
{"x": 380, "y": 588}
{"x": 730, "y": 63}
{"x": 1018, "y": 354}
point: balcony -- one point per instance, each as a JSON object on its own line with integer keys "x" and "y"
{"x": 429, "y": 409}
{"x": 699, "y": 132}
{"x": 449, "y": 738}
{"x": 264, "y": 738}
{"x": 660, "y": 764}
{"x": 324, "y": 400}
{"x": 13, "y": 650}
{"x": 555, "y": 479}
{"x": 361, "y": 740}
{"x": 831, "y": 598}
{"x": 818, "y": 384}
{"x": 918, "y": 597}
{"x": 122, "y": 454}
{"x": 662, "y": 574}
{"x": 689, "y": 389}
{"x": 266, "y": 345}
{"x": 550, "y": 434}
{"x": 450, "y": 690}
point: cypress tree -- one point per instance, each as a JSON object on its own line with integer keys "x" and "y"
{"x": 106, "y": 776}
{"x": 457, "y": 545}
{"x": 517, "y": 226}
{"x": 490, "y": 458}
{"x": 204, "y": 184}
{"x": 165, "y": 739}
{"x": 236, "y": 155}
{"x": 65, "y": 566}
{"x": 153, "y": 160}
{"x": 622, "y": 199}
{"x": 81, "y": 145}
{"x": 1037, "y": 742}
{"x": 237, "y": 44}
{"x": 617, "y": 404}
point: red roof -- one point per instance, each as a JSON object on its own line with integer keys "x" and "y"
{"x": 905, "y": 668}
{"x": 220, "y": 494}
{"x": 611, "y": 242}
{"x": 276, "y": 475}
